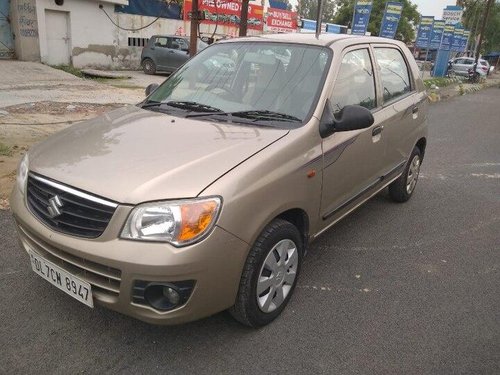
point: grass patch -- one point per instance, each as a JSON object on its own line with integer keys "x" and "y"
{"x": 69, "y": 69}
{"x": 440, "y": 82}
{"x": 5, "y": 150}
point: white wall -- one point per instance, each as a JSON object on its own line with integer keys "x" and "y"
{"x": 96, "y": 42}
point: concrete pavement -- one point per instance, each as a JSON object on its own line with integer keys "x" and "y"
{"x": 392, "y": 289}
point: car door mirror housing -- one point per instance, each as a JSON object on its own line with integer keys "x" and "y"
{"x": 351, "y": 117}
{"x": 151, "y": 87}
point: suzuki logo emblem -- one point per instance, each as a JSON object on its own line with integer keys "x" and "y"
{"x": 54, "y": 206}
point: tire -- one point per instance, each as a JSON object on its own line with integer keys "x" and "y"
{"x": 272, "y": 266}
{"x": 402, "y": 189}
{"x": 148, "y": 66}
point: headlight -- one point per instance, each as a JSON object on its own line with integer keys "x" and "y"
{"x": 22, "y": 174}
{"x": 178, "y": 222}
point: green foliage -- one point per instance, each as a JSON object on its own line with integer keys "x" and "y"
{"x": 69, "y": 69}
{"x": 409, "y": 19}
{"x": 309, "y": 8}
{"x": 5, "y": 150}
{"x": 472, "y": 19}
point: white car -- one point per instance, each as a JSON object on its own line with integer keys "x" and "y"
{"x": 461, "y": 66}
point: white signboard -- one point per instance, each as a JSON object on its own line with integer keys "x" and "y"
{"x": 452, "y": 15}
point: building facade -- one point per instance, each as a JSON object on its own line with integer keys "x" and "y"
{"x": 91, "y": 33}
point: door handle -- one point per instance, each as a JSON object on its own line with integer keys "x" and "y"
{"x": 414, "y": 110}
{"x": 377, "y": 130}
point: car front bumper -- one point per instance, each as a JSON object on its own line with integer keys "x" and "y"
{"x": 112, "y": 265}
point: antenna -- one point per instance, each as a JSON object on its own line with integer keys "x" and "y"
{"x": 319, "y": 16}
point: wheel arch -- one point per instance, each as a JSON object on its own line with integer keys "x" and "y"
{"x": 299, "y": 218}
{"x": 421, "y": 144}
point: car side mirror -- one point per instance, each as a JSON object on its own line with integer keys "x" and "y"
{"x": 351, "y": 117}
{"x": 151, "y": 87}
{"x": 185, "y": 50}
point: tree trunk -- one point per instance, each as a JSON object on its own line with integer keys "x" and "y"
{"x": 244, "y": 17}
{"x": 193, "y": 40}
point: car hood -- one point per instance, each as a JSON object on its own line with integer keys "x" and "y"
{"x": 132, "y": 155}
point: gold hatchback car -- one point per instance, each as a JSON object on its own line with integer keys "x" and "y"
{"x": 206, "y": 195}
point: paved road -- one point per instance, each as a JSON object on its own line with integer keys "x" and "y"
{"x": 393, "y": 289}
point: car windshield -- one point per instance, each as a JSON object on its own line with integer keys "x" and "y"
{"x": 273, "y": 84}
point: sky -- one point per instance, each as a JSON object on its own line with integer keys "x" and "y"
{"x": 432, "y": 7}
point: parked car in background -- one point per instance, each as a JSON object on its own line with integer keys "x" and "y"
{"x": 206, "y": 195}
{"x": 166, "y": 53}
{"x": 464, "y": 67}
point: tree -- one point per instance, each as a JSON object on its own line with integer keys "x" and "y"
{"x": 406, "y": 28}
{"x": 309, "y": 8}
{"x": 473, "y": 15}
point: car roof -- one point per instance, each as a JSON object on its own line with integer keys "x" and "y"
{"x": 325, "y": 39}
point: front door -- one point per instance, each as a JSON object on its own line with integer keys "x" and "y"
{"x": 352, "y": 159}
{"x": 179, "y": 54}
{"x": 58, "y": 38}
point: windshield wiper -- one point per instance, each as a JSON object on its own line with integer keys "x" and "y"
{"x": 192, "y": 106}
{"x": 151, "y": 104}
{"x": 265, "y": 115}
{"x": 256, "y": 115}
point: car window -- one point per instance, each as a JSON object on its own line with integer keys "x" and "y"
{"x": 180, "y": 44}
{"x": 394, "y": 73}
{"x": 355, "y": 83}
{"x": 248, "y": 76}
{"x": 161, "y": 42}
{"x": 459, "y": 61}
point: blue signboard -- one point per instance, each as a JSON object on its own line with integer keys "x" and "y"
{"x": 333, "y": 28}
{"x": 456, "y": 42}
{"x": 361, "y": 17}
{"x": 308, "y": 24}
{"x": 278, "y": 4}
{"x": 390, "y": 20}
{"x": 447, "y": 37}
{"x": 437, "y": 34}
{"x": 152, "y": 8}
{"x": 424, "y": 32}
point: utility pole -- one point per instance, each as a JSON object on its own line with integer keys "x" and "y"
{"x": 244, "y": 18}
{"x": 193, "y": 40}
{"x": 483, "y": 27}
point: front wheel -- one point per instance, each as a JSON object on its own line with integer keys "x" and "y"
{"x": 270, "y": 274}
{"x": 402, "y": 189}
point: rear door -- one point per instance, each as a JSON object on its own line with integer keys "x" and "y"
{"x": 400, "y": 100}
{"x": 461, "y": 66}
{"x": 352, "y": 160}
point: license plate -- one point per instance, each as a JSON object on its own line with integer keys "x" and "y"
{"x": 72, "y": 285}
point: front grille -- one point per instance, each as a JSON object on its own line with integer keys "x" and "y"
{"x": 68, "y": 210}
{"x": 105, "y": 280}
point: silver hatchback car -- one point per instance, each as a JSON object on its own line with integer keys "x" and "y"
{"x": 206, "y": 195}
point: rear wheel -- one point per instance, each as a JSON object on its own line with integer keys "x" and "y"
{"x": 149, "y": 66}
{"x": 402, "y": 189}
{"x": 270, "y": 274}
